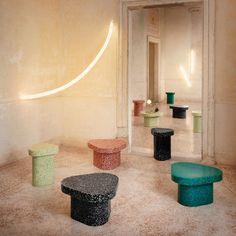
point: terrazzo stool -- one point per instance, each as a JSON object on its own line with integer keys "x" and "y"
{"x": 162, "y": 143}
{"x": 179, "y": 111}
{"x": 195, "y": 182}
{"x": 170, "y": 97}
{"x": 106, "y": 152}
{"x": 42, "y": 163}
{"x": 197, "y": 121}
{"x": 138, "y": 107}
{"x": 151, "y": 119}
{"x": 90, "y": 196}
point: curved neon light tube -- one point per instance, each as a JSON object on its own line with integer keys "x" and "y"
{"x": 79, "y": 77}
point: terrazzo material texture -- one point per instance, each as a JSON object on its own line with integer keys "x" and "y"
{"x": 195, "y": 182}
{"x": 151, "y": 119}
{"x": 106, "y": 161}
{"x": 138, "y": 107}
{"x": 179, "y": 111}
{"x": 43, "y": 163}
{"x": 106, "y": 152}
{"x": 90, "y": 196}
{"x": 197, "y": 121}
{"x": 145, "y": 203}
{"x": 170, "y": 97}
{"x": 162, "y": 143}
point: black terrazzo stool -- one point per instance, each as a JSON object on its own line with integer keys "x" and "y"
{"x": 90, "y": 196}
{"x": 162, "y": 143}
{"x": 179, "y": 111}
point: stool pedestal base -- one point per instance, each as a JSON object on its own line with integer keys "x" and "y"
{"x": 90, "y": 213}
{"x": 106, "y": 161}
{"x": 195, "y": 195}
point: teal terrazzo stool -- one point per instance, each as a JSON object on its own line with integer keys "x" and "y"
{"x": 195, "y": 182}
{"x": 197, "y": 121}
{"x": 170, "y": 97}
{"x": 151, "y": 119}
{"x": 42, "y": 163}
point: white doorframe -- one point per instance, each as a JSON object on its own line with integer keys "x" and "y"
{"x": 157, "y": 81}
{"x": 208, "y": 134}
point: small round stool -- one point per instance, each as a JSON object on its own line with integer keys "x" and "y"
{"x": 90, "y": 196}
{"x": 106, "y": 152}
{"x": 179, "y": 111}
{"x": 170, "y": 97}
{"x": 197, "y": 121}
{"x": 162, "y": 143}
{"x": 42, "y": 163}
{"x": 151, "y": 119}
{"x": 138, "y": 107}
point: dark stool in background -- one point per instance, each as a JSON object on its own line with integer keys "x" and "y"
{"x": 179, "y": 111}
{"x": 162, "y": 143}
{"x": 170, "y": 97}
{"x": 91, "y": 196}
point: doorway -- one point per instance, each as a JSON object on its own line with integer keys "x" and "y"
{"x": 123, "y": 102}
{"x": 153, "y": 69}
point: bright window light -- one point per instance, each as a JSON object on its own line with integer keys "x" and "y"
{"x": 79, "y": 77}
{"x": 185, "y": 76}
{"x": 192, "y": 61}
{"x": 149, "y": 101}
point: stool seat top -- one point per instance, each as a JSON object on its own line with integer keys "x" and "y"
{"x": 43, "y": 149}
{"x": 162, "y": 132}
{"x": 170, "y": 92}
{"x": 138, "y": 101}
{"x": 197, "y": 113}
{"x": 188, "y": 173}
{"x": 181, "y": 107}
{"x": 96, "y": 187}
{"x": 151, "y": 114}
{"x": 107, "y": 145}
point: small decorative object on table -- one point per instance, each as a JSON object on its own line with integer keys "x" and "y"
{"x": 91, "y": 196}
{"x": 195, "y": 182}
{"x": 151, "y": 115}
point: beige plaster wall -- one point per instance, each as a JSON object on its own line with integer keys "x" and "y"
{"x": 29, "y": 61}
{"x": 225, "y": 82}
{"x": 181, "y": 32}
{"x": 89, "y": 106}
{"x": 44, "y": 44}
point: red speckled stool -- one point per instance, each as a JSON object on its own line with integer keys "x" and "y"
{"x": 106, "y": 152}
{"x": 138, "y": 107}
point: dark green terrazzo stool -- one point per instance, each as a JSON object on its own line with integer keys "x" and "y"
{"x": 195, "y": 182}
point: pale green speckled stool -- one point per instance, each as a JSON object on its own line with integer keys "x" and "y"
{"x": 195, "y": 182}
{"x": 151, "y": 119}
{"x": 197, "y": 121}
{"x": 42, "y": 163}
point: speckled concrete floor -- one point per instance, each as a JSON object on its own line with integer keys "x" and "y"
{"x": 185, "y": 143}
{"x": 145, "y": 203}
